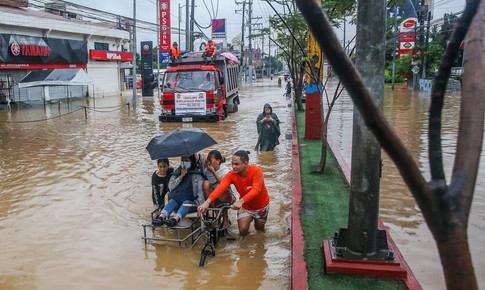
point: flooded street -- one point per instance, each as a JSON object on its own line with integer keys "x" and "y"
{"x": 408, "y": 114}
{"x": 75, "y": 193}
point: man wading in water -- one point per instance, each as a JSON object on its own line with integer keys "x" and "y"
{"x": 254, "y": 199}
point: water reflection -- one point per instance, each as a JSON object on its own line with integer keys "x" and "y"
{"x": 76, "y": 191}
{"x": 407, "y": 113}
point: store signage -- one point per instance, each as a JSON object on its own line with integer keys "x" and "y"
{"x": 408, "y": 24}
{"x": 164, "y": 25}
{"x": 110, "y": 55}
{"x": 40, "y": 52}
{"x": 29, "y": 49}
{"x": 147, "y": 68}
{"x": 406, "y": 43}
{"x": 218, "y": 28}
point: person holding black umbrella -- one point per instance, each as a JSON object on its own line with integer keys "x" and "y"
{"x": 185, "y": 187}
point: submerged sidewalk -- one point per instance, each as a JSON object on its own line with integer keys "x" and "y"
{"x": 320, "y": 208}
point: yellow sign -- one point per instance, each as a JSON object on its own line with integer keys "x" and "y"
{"x": 314, "y": 68}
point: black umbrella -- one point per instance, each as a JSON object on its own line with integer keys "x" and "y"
{"x": 181, "y": 142}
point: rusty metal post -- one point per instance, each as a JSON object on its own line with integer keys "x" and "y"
{"x": 362, "y": 239}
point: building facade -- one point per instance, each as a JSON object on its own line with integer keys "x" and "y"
{"x": 53, "y": 37}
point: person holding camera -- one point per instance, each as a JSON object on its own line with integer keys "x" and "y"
{"x": 268, "y": 126}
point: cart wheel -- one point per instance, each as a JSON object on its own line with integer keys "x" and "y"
{"x": 203, "y": 255}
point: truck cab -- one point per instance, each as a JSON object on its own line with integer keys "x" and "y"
{"x": 194, "y": 91}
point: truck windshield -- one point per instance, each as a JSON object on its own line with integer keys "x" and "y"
{"x": 189, "y": 81}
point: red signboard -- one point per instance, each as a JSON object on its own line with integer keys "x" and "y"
{"x": 409, "y": 23}
{"x": 110, "y": 55}
{"x": 164, "y": 25}
{"x": 39, "y": 65}
{"x": 406, "y": 43}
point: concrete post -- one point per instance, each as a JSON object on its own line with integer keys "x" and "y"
{"x": 362, "y": 238}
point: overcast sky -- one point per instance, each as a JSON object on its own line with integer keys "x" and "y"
{"x": 146, "y": 10}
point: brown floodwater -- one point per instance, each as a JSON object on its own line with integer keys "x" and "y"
{"x": 74, "y": 194}
{"x": 407, "y": 112}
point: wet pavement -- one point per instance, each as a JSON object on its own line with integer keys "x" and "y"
{"x": 408, "y": 114}
{"x": 75, "y": 192}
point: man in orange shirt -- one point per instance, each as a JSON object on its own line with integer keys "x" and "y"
{"x": 254, "y": 199}
{"x": 175, "y": 54}
{"x": 210, "y": 51}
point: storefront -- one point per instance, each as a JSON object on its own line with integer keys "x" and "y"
{"x": 38, "y": 40}
{"x": 106, "y": 67}
{"x": 20, "y": 54}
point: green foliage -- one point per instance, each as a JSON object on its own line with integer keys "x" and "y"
{"x": 291, "y": 39}
{"x": 276, "y": 65}
{"x": 433, "y": 57}
{"x": 404, "y": 66}
{"x": 337, "y": 10}
{"x": 449, "y": 21}
{"x": 388, "y": 76}
{"x": 392, "y": 37}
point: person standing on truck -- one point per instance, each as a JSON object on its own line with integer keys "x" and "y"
{"x": 254, "y": 199}
{"x": 210, "y": 51}
{"x": 175, "y": 54}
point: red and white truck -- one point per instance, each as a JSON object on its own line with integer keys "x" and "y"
{"x": 194, "y": 91}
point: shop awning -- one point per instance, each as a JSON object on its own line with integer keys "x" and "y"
{"x": 56, "y": 77}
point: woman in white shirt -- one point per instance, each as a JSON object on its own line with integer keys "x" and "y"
{"x": 216, "y": 170}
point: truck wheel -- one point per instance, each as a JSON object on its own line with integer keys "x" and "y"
{"x": 224, "y": 112}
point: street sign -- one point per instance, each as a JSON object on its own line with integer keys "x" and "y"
{"x": 164, "y": 57}
{"x": 415, "y": 69}
{"x": 408, "y": 24}
{"x": 218, "y": 28}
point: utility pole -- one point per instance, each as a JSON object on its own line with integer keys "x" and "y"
{"x": 180, "y": 20}
{"x": 257, "y": 28}
{"x": 250, "y": 64}
{"x": 395, "y": 31}
{"x": 133, "y": 46}
{"x": 191, "y": 37}
{"x": 242, "y": 31}
{"x": 362, "y": 240}
{"x": 187, "y": 30}
{"x": 345, "y": 41}
{"x": 269, "y": 55}
{"x": 423, "y": 75}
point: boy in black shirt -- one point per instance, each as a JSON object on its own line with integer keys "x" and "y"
{"x": 160, "y": 180}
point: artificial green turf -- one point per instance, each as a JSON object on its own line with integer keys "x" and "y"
{"x": 324, "y": 211}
